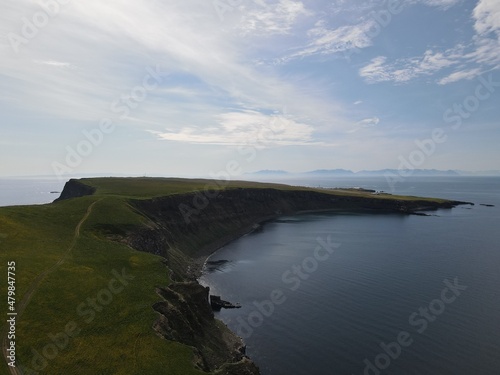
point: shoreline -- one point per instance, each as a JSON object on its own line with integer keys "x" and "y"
{"x": 195, "y": 269}
{"x": 185, "y": 315}
{"x": 197, "y": 265}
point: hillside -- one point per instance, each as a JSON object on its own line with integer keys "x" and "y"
{"x": 105, "y": 276}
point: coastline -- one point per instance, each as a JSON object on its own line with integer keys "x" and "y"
{"x": 186, "y": 243}
{"x": 197, "y": 265}
{"x": 195, "y": 269}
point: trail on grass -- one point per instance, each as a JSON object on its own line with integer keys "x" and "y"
{"x": 21, "y": 306}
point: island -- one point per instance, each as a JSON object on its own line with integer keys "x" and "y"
{"x": 106, "y": 277}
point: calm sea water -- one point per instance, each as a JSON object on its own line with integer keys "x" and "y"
{"x": 23, "y": 191}
{"x": 378, "y": 304}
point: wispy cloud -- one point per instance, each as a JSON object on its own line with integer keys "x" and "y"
{"x": 440, "y": 3}
{"x": 460, "y": 75}
{"x": 59, "y": 64}
{"x": 487, "y": 17}
{"x": 470, "y": 60}
{"x": 277, "y": 18}
{"x": 404, "y": 70}
{"x": 243, "y": 128}
{"x": 327, "y": 41}
{"x": 112, "y": 43}
{"x": 364, "y": 124}
{"x": 357, "y": 34}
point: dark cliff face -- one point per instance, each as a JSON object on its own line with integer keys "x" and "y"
{"x": 198, "y": 224}
{"x": 186, "y": 317}
{"x": 75, "y": 189}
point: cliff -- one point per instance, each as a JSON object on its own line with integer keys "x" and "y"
{"x": 188, "y": 227}
{"x": 75, "y": 189}
{"x": 189, "y": 223}
{"x": 186, "y": 317}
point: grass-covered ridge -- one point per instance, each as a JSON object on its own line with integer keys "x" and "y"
{"x": 114, "y": 336}
{"x": 82, "y": 277}
{"x": 150, "y": 187}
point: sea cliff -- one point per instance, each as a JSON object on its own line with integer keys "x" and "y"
{"x": 185, "y": 228}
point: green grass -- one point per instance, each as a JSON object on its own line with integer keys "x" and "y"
{"x": 119, "y": 339}
{"x": 148, "y": 187}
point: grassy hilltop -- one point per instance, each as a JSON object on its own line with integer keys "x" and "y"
{"x": 84, "y": 296}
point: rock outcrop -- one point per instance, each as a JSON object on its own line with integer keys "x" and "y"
{"x": 186, "y": 317}
{"x": 75, "y": 189}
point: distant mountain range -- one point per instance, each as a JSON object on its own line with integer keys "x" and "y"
{"x": 379, "y": 172}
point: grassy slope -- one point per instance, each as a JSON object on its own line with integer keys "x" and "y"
{"x": 119, "y": 339}
{"x": 145, "y": 187}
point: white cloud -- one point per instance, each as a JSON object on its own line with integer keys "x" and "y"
{"x": 324, "y": 40}
{"x": 487, "y": 16}
{"x": 375, "y": 71}
{"x": 482, "y": 54}
{"x": 460, "y": 75}
{"x": 245, "y": 128}
{"x": 440, "y": 3}
{"x": 327, "y": 41}
{"x": 278, "y": 18}
{"x": 113, "y": 42}
{"x": 367, "y": 122}
{"x": 404, "y": 70}
{"x": 59, "y": 64}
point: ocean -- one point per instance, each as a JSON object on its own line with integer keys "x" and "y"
{"x": 26, "y": 191}
{"x": 369, "y": 294}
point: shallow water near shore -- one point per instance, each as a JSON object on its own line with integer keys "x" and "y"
{"x": 326, "y": 293}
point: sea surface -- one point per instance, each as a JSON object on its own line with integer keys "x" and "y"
{"x": 353, "y": 293}
{"x": 25, "y": 191}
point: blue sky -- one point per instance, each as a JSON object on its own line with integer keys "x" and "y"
{"x": 199, "y": 87}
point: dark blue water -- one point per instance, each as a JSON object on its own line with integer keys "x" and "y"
{"x": 310, "y": 308}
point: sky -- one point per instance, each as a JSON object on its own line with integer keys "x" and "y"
{"x": 225, "y": 87}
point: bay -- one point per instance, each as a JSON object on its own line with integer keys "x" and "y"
{"x": 384, "y": 281}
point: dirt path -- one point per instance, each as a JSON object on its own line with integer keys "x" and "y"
{"x": 21, "y": 306}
